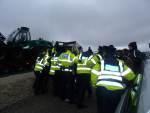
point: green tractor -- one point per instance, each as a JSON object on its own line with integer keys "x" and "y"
{"x": 19, "y": 52}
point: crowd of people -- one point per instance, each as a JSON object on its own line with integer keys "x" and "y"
{"x": 108, "y": 71}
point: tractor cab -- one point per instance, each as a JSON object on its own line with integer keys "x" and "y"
{"x": 19, "y": 35}
{"x": 72, "y": 46}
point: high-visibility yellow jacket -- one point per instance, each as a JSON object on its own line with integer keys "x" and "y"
{"x": 66, "y": 60}
{"x": 42, "y": 62}
{"x": 82, "y": 66}
{"x": 54, "y": 65}
{"x": 111, "y": 77}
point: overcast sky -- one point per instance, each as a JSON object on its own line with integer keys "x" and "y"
{"x": 90, "y": 22}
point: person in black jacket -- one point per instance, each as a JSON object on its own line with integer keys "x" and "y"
{"x": 136, "y": 57}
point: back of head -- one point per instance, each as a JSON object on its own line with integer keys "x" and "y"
{"x": 132, "y": 46}
{"x": 109, "y": 54}
{"x": 80, "y": 49}
{"x": 113, "y": 49}
{"x": 125, "y": 51}
{"x": 109, "y": 50}
{"x": 89, "y": 51}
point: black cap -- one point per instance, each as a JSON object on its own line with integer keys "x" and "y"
{"x": 133, "y": 45}
{"x": 109, "y": 49}
{"x": 112, "y": 48}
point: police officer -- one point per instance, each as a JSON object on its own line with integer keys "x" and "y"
{"x": 94, "y": 60}
{"x": 41, "y": 72}
{"x": 111, "y": 77}
{"x": 66, "y": 62}
{"x": 88, "y": 53}
{"x": 83, "y": 77}
{"x": 54, "y": 71}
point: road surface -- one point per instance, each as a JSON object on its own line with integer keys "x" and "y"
{"x": 46, "y": 103}
{"x": 49, "y": 104}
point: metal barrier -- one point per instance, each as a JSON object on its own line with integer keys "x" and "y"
{"x": 125, "y": 105}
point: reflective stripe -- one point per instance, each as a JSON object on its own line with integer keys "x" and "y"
{"x": 81, "y": 64}
{"x": 84, "y": 68}
{"x": 126, "y": 72}
{"x": 47, "y": 57}
{"x": 45, "y": 63}
{"x": 38, "y": 67}
{"x": 99, "y": 56}
{"x": 84, "y": 57}
{"x": 102, "y": 65}
{"x": 55, "y": 67}
{"x": 66, "y": 70}
{"x": 53, "y": 60}
{"x": 110, "y": 73}
{"x": 74, "y": 58}
{"x": 69, "y": 58}
{"x": 37, "y": 59}
{"x": 121, "y": 66}
{"x": 38, "y": 64}
{"x": 110, "y": 83}
{"x": 110, "y": 77}
{"x": 65, "y": 60}
{"x": 93, "y": 61}
{"x": 95, "y": 72}
{"x": 60, "y": 64}
{"x": 80, "y": 56}
{"x": 52, "y": 71}
{"x": 90, "y": 57}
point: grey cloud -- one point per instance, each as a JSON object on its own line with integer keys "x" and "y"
{"x": 91, "y": 22}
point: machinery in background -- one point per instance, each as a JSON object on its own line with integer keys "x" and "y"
{"x": 18, "y": 52}
{"x": 73, "y": 46}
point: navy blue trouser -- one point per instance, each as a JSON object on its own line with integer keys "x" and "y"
{"x": 66, "y": 86}
{"x": 82, "y": 84}
{"x": 107, "y": 100}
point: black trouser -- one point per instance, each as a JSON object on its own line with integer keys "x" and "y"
{"x": 89, "y": 87}
{"x": 40, "y": 84}
{"x": 66, "y": 85}
{"x": 56, "y": 83}
{"x": 107, "y": 100}
{"x": 82, "y": 84}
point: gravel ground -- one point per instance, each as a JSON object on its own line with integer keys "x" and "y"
{"x": 16, "y": 96}
{"x": 15, "y": 88}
